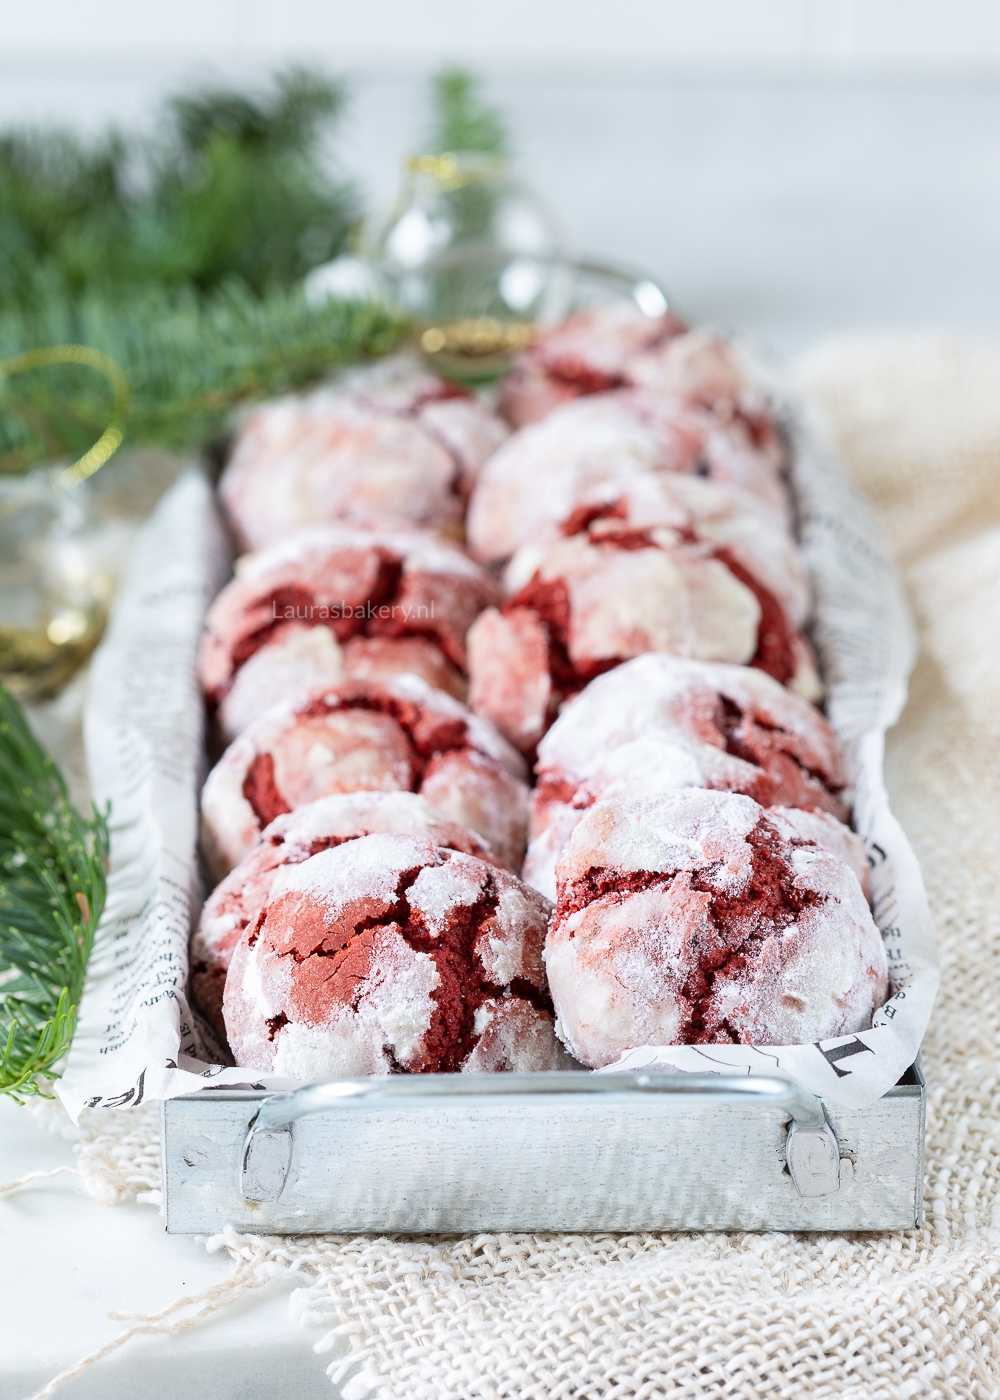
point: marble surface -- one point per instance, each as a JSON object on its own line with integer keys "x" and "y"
{"x": 66, "y": 1262}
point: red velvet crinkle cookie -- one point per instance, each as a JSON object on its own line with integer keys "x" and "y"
{"x": 335, "y": 600}
{"x": 365, "y": 735}
{"x": 392, "y": 954}
{"x": 389, "y": 443}
{"x": 687, "y": 574}
{"x": 705, "y": 369}
{"x": 694, "y": 509}
{"x": 582, "y": 355}
{"x": 542, "y": 475}
{"x": 700, "y": 918}
{"x": 659, "y": 723}
{"x": 289, "y": 840}
{"x": 615, "y": 346}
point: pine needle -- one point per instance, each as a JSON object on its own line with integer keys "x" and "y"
{"x": 52, "y": 890}
{"x": 234, "y": 183}
{"x": 461, "y": 121}
{"x": 189, "y": 360}
{"x": 180, "y": 257}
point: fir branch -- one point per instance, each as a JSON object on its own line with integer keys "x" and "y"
{"x": 52, "y": 890}
{"x": 180, "y": 259}
{"x": 189, "y": 360}
{"x": 236, "y": 184}
{"x": 461, "y": 122}
{"x": 282, "y": 121}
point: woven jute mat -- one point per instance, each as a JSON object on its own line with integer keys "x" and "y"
{"x": 863, "y": 1317}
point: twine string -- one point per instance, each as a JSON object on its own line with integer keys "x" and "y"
{"x": 246, "y": 1275}
{"x": 20, "y": 1181}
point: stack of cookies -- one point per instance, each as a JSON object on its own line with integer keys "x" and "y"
{"x": 598, "y": 582}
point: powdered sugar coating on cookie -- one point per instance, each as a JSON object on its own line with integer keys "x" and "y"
{"x": 365, "y": 735}
{"x": 392, "y": 954}
{"x": 586, "y": 353}
{"x": 659, "y": 723}
{"x": 332, "y": 600}
{"x": 615, "y": 347}
{"x": 289, "y": 840}
{"x": 537, "y": 479}
{"x": 612, "y": 588}
{"x": 696, "y": 918}
{"x": 370, "y": 449}
{"x": 533, "y": 483}
{"x": 704, "y": 368}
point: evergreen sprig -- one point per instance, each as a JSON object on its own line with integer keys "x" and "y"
{"x": 189, "y": 359}
{"x": 233, "y": 184}
{"x": 461, "y": 120}
{"x": 52, "y": 890}
{"x": 180, "y": 257}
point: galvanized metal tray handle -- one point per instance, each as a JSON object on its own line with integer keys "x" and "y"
{"x": 811, "y": 1150}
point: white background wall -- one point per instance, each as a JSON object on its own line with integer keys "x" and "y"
{"x": 793, "y": 166}
{"x": 900, "y": 32}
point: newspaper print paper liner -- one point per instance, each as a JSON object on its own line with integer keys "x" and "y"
{"x": 137, "y": 1038}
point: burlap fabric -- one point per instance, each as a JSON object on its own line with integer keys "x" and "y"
{"x": 917, "y": 421}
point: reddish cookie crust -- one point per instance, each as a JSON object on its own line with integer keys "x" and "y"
{"x": 390, "y": 601}
{"x": 392, "y": 955}
{"x": 699, "y": 918}
{"x": 608, "y": 592}
{"x": 389, "y": 735}
{"x": 736, "y": 710}
{"x": 585, "y": 354}
{"x": 390, "y": 442}
{"x": 289, "y": 840}
{"x": 614, "y": 347}
{"x": 660, "y": 723}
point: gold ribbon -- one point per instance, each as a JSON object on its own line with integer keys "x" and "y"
{"x": 454, "y": 173}
{"x": 110, "y": 440}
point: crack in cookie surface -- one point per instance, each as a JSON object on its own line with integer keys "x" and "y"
{"x": 736, "y": 924}
{"x": 463, "y": 984}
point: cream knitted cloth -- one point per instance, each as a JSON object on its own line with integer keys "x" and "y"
{"x": 883, "y": 1317}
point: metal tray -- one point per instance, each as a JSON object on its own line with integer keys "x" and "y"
{"x": 572, "y": 1151}
{"x": 577, "y": 1151}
